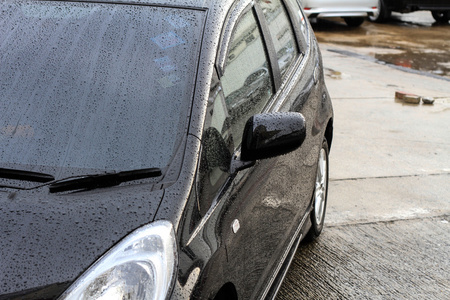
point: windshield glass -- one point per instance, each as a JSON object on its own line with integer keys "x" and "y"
{"x": 94, "y": 86}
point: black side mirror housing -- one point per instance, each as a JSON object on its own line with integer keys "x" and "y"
{"x": 272, "y": 134}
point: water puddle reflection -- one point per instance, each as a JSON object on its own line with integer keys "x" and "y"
{"x": 410, "y": 40}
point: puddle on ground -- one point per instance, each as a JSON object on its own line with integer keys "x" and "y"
{"x": 333, "y": 73}
{"x": 410, "y": 40}
{"x": 435, "y": 63}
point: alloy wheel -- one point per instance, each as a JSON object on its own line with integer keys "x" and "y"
{"x": 321, "y": 187}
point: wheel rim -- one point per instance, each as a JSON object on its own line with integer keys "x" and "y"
{"x": 321, "y": 187}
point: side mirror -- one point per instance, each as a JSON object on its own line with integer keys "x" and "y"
{"x": 272, "y": 134}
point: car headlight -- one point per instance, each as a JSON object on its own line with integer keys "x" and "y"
{"x": 141, "y": 266}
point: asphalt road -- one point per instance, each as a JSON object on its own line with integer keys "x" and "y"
{"x": 387, "y": 232}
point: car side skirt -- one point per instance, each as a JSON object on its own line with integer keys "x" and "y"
{"x": 282, "y": 268}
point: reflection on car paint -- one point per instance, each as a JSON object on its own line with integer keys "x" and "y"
{"x": 17, "y": 130}
{"x": 55, "y": 11}
{"x": 177, "y": 21}
{"x": 167, "y": 40}
{"x": 169, "y": 80}
{"x": 165, "y": 64}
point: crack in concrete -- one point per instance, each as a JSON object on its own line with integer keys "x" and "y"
{"x": 445, "y": 215}
{"x": 389, "y": 177}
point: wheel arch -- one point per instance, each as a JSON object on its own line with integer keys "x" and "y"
{"x": 329, "y": 133}
{"x": 227, "y": 292}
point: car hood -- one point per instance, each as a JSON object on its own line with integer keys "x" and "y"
{"x": 48, "y": 240}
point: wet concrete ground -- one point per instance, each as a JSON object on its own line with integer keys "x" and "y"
{"x": 391, "y": 260}
{"x": 412, "y": 40}
{"x": 387, "y": 230}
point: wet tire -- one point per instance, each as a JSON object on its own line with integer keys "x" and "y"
{"x": 382, "y": 13}
{"x": 354, "y": 21}
{"x": 317, "y": 215}
{"x": 441, "y": 16}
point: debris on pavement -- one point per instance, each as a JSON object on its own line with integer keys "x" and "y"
{"x": 402, "y": 95}
{"x": 427, "y": 100}
{"x": 412, "y": 98}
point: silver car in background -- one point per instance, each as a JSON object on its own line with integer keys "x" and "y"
{"x": 353, "y": 11}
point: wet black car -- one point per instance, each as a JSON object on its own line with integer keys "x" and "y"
{"x": 158, "y": 149}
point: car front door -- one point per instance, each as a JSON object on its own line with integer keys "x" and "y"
{"x": 253, "y": 214}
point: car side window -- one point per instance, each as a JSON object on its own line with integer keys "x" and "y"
{"x": 299, "y": 18}
{"x": 282, "y": 33}
{"x": 247, "y": 80}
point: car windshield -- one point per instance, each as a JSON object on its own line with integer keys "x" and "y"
{"x": 94, "y": 86}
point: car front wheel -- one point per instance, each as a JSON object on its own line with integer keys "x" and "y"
{"x": 320, "y": 194}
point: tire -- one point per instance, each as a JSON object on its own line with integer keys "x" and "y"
{"x": 354, "y": 21}
{"x": 320, "y": 195}
{"x": 441, "y": 16}
{"x": 382, "y": 13}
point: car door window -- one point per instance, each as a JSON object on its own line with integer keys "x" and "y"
{"x": 281, "y": 32}
{"x": 247, "y": 81}
{"x": 299, "y": 19}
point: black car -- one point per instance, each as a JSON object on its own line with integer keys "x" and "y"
{"x": 158, "y": 149}
{"x": 440, "y": 9}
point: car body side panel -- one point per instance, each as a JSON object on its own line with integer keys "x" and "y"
{"x": 248, "y": 228}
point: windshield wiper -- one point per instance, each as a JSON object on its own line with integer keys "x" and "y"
{"x": 102, "y": 180}
{"x": 25, "y": 175}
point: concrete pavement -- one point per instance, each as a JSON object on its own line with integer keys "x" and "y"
{"x": 374, "y": 261}
{"x": 387, "y": 230}
{"x": 389, "y": 160}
